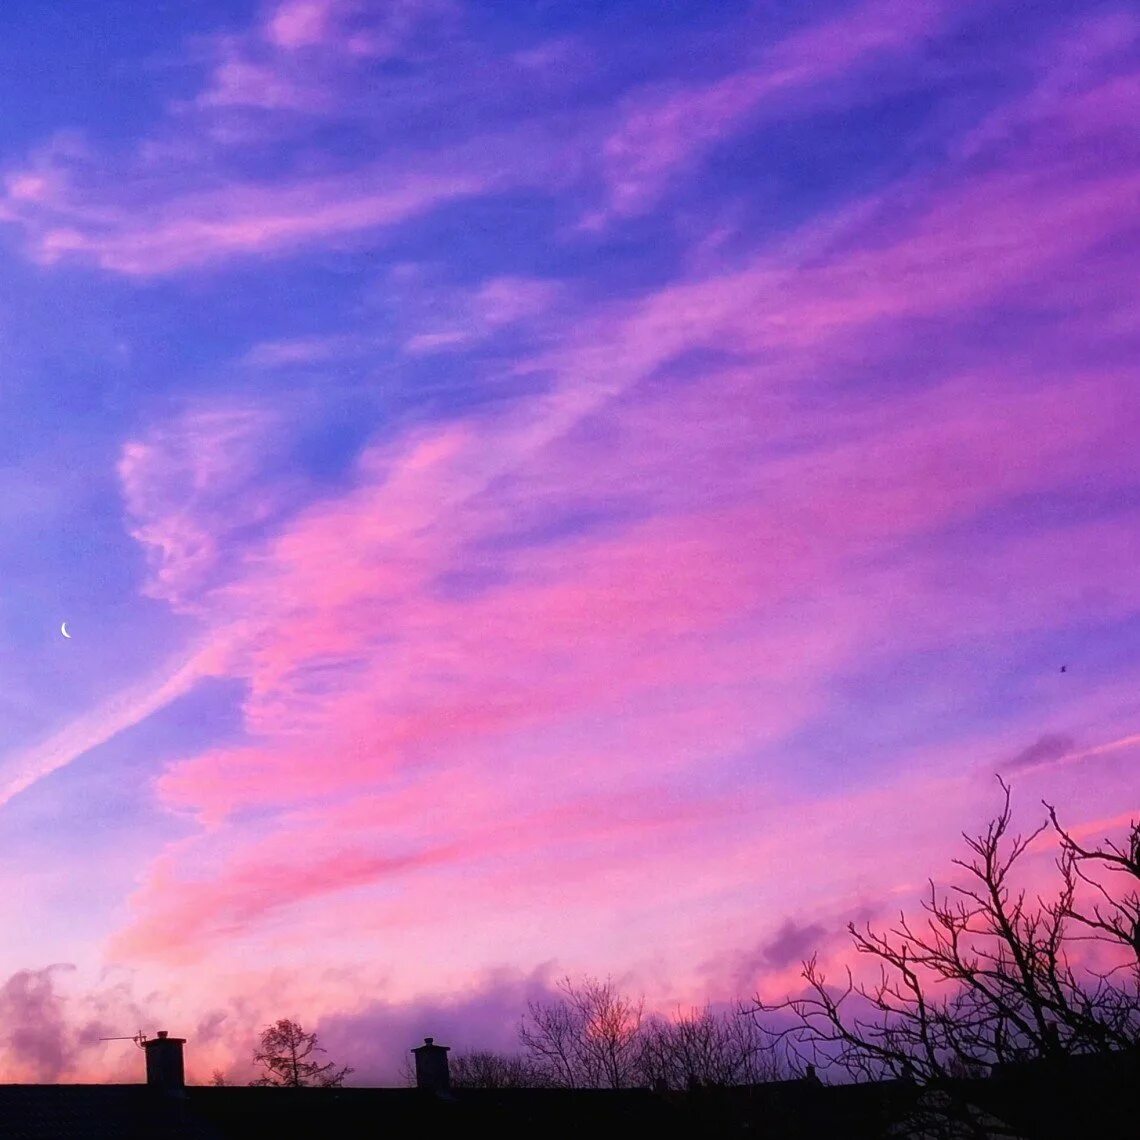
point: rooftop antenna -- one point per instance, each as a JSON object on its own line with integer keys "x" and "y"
{"x": 139, "y": 1039}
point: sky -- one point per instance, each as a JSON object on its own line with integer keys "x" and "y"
{"x": 563, "y": 487}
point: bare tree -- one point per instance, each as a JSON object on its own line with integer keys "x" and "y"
{"x": 218, "y": 1079}
{"x": 284, "y": 1051}
{"x": 483, "y": 1069}
{"x": 1104, "y": 905}
{"x": 589, "y": 1038}
{"x": 988, "y": 976}
{"x": 708, "y": 1048}
{"x": 408, "y": 1073}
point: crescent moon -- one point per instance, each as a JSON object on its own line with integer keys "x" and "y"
{"x": 63, "y": 630}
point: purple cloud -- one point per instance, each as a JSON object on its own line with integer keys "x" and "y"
{"x": 1044, "y": 750}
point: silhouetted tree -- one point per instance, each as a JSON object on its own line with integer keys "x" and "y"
{"x": 1108, "y": 878}
{"x": 588, "y": 1038}
{"x": 483, "y": 1069}
{"x": 708, "y": 1048}
{"x": 284, "y": 1052}
{"x": 989, "y": 976}
{"x": 219, "y": 1078}
{"x": 407, "y": 1073}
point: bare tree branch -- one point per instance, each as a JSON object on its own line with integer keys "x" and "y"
{"x": 987, "y": 976}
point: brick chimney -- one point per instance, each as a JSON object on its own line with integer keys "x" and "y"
{"x": 164, "y": 1069}
{"x": 432, "y": 1073}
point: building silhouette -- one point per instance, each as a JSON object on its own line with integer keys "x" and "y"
{"x": 1048, "y": 1100}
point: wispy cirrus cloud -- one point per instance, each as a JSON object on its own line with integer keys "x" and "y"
{"x": 294, "y": 58}
{"x": 455, "y": 322}
{"x": 242, "y": 219}
{"x": 26, "y": 767}
{"x": 183, "y": 198}
{"x": 664, "y": 133}
{"x": 202, "y": 468}
{"x": 180, "y": 204}
{"x": 463, "y": 630}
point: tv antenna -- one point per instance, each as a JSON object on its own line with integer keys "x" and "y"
{"x": 139, "y": 1039}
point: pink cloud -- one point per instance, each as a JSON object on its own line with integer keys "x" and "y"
{"x": 660, "y": 136}
{"x": 241, "y": 82}
{"x": 492, "y": 711}
{"x": 143, "y": 221}
{"x": 171, "y": 205}
{"x": 603, "y": 636}
{"x": 304, "y": 350}
{"x": 180, "y": 917}
{"x": 1074, "y": 70}
{"x": 201, "y": 229}
{"x": 52, "y": 1024}
{"x": 505, "y": 300}
{"x": 127, "y": 707}
{"x": 446, "y": 319}
{"x": 300, "y": 23}
{"x": 295, "y": 59}
{"x": 188, "y": 484}
{"x": 183, "y": 914}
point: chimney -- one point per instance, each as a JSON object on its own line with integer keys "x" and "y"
{"x": 431, "y": 1067}
{"x": 164, "y": 1068}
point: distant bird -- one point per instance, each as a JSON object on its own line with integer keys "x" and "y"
{"x": 1063, "y": 668}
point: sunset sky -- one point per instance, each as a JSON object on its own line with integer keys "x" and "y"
{"x": 563, "y": 486}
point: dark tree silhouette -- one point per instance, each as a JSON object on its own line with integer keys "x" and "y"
{"x": 589, "y": 1038}
{"x": 483, "y": 1069}
{"x": 284, "y": 1051}
{"x": 705, "y": 1048}
{"x": 595, "y": 1037}
{"x": 988, "y": 976}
